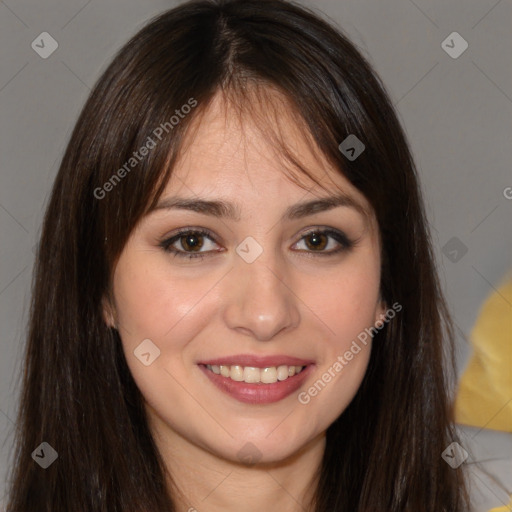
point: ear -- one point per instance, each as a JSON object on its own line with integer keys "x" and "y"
{"x": 108, "y": 310}
{"x": 380, "y": 311}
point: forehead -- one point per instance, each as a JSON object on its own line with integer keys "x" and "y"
{"x": 252, "y": 146}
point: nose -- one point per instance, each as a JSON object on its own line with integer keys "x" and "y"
{"x": 260, "y": 301}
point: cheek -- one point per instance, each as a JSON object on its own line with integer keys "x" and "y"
{"x": 351, "y": 306}
{"x": 348, "y": 302}
{"x": 167, "y": 310}
{"x": 152, "y": 303}
{"x": 347, "y": 306}
{"x": 171, "y": 311}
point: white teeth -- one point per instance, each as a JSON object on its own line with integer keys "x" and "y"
{"x": 237, "y": 373}
{"x": 252, "y": 375}
{"x": 282, "y": 372}
{"x": 269, "y": 375}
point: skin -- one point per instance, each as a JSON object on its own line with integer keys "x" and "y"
{"x": 290, "y": 300}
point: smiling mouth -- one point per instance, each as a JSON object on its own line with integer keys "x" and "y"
{"x": 254, "y": 375}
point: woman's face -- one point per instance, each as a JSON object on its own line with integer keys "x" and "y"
{"x": 260, "y": 292}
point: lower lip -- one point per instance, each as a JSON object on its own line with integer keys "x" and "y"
{"x": 258, "y": 393}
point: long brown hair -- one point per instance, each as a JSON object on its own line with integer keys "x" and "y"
{"x": 384, "y": 452}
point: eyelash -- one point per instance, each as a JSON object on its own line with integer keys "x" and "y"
{"x": 345, "y": 243}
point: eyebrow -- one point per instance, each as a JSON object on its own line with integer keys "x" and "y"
{"x": 226, "y": 210}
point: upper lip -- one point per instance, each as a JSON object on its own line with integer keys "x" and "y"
{"x": 257, "y": 361}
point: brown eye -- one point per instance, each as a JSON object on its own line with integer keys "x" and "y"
{"x": 324, "y": 242}
{"x": 191, "y": 241}
{"x": 316, "y": 241}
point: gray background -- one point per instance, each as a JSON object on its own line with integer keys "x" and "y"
{"x": 456, "y": 112}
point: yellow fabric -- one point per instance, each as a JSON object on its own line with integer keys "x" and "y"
{"x": 484, "y": 397}
{"x": 507, "y": 508}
